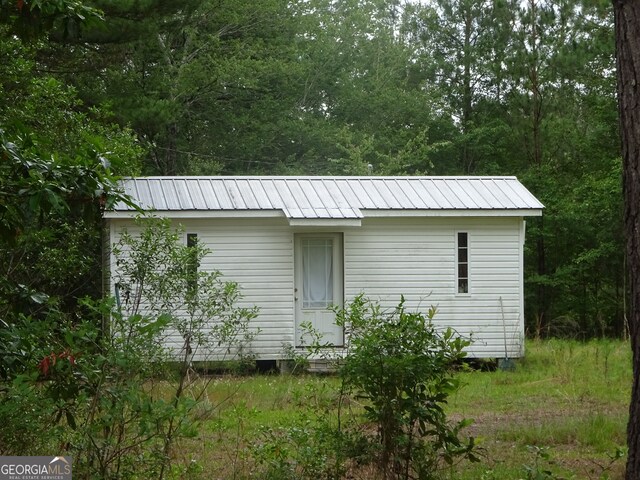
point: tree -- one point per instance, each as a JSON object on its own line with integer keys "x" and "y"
{"x": 489, "y": 87}
{"x": 207, "y": 86}
{"x": 530, "y": 89}
{"x": 463, "y": 46}
{"x": 233, "y": 87}
{"x": 560, "y": 96}
{"x": 363, "y": 90}
{"x": 57, "y": 161}
{"x": 627, "y": 28}
{"x": 34, "y": 18}
{"x": 50, "y": 217}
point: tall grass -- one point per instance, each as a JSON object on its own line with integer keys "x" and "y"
{"x": 565, "y": 398}
{"x": 569, "y": 396}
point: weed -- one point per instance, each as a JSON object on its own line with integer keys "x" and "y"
{"x": 582, "y": 422}
{"x": 540, "y": 469}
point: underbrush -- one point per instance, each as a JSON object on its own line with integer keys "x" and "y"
{"x": 562, "y": 411}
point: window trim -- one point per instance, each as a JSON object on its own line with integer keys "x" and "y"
{"x": 458, "y": 263}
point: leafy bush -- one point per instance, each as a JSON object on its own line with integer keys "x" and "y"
{"x": 156, "y": 275}
{"x": 111, "y": 396}
{"x": 404, "y": 370}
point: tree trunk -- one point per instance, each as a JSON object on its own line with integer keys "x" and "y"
{"x": 467, "y": 94}
{"x": 536, "y": 96}
{"x": 627, "y": 28}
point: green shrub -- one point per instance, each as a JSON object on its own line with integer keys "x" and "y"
{"x": 105, "y": 395}
{"x": 404, "y": 369}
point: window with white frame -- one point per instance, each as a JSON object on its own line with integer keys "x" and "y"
{"x": 462, "y": 262}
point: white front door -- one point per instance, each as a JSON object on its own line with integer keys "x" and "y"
{"x": 318, "y": 265}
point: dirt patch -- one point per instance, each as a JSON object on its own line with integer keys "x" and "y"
{"x": 498, "y": 437}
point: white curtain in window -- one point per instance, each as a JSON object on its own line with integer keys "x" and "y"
{"x": 317, "y": 272}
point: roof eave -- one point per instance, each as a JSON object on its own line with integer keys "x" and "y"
{"x": 377, "y": 213}
{"x": 196, "y": 214}
{"x": 456, "y": 212}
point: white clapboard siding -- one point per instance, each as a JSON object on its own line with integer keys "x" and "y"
{"x": 384, "y": 258}
{"x": 258, "y": 255}
{"x": 415, "y": 257}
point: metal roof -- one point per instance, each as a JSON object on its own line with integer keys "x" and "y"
{"x": 328, "y": 197}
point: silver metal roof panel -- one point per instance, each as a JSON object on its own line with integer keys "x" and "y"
{"x": 329, "y": 197}
{"x": 157, "y": 197}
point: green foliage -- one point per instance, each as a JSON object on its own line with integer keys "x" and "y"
{"x": 402, "y": 371}
{"x": 403, "y": 367}
{"x": 157, "y": 274}
{"x": 164, "y": 294}
{"x": 57, "y": 167}
{"x": 322, "y": 440}
{"x": 225, "y": 87}
{"x": 109, "y": 395}
{"x": 50, "y": 217}
{"x": 32, "y": 18}
{"x": 532, "y": 89}
{"x": 303, "y": 451}
{"x": 541, "y": 467}
{"x": 351, "y": 88}
{"x": 562, "y": 398}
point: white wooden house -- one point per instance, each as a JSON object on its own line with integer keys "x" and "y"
{"x": 297, "y": 245}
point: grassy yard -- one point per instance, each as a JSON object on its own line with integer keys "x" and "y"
{"x": 569, "y": 397}
{"x": 563, "y": 409}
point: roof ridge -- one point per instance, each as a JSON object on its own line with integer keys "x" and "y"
{"x": 321, "y": 177}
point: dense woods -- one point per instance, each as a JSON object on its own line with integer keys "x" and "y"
{"x": 92, "y": 90}
{"x": 464, "y": 87}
